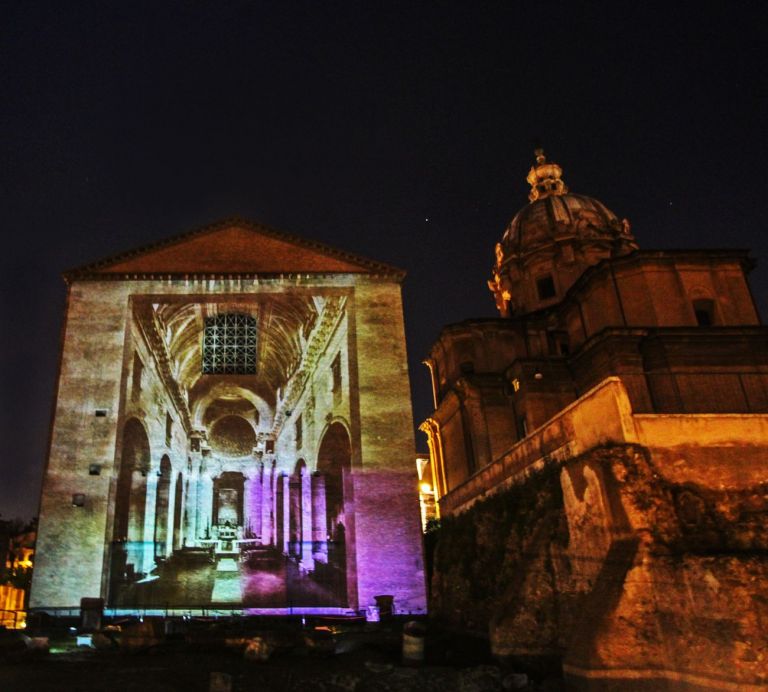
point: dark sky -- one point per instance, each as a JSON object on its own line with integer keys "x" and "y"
{"x": 396, "y": 130}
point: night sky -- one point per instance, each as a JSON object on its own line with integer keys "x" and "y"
{"x": 399, "y": 131}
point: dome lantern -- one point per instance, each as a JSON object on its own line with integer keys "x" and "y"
{"x": 545, "y": 178}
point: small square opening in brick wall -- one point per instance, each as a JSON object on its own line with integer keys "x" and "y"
{"x": 94, "y": 469}
{"x": 100, "y": 413}
{"x": 78, "y": 500}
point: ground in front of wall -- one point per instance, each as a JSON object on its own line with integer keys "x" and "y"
{"x": 330, "y": 657}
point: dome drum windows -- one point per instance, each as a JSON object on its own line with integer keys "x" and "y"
{"x": 545, "y": 287}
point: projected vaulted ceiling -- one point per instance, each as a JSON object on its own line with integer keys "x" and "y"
{"x": 284, "y": 323}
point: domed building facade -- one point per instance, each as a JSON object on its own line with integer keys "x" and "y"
{"x": 600, "y": 455}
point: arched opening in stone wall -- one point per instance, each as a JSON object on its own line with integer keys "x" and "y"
{"x": 334, "y": 460}
{"x": 131, "y": 555}
{"x": 131, "y": 493}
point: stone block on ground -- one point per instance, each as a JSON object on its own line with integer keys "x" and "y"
{"x": 140, "y": 635}
{"x": 258, "y": 649}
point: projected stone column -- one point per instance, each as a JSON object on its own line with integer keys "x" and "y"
{"x": 190, "y": 510}
{"x": 167, "y": 546}
{"x": 294, "y": 516}
{"x": 204, "y": 505}
{"x": 252, "y": 500}
{"x": 258, "y": 498}
{"x": 266, "y": 505}
{"x": 137, "y": 515}
{"x": 273, "y": 503}
{"x": 177, "y": 514}
{"x": 148, "y": 539}
{"x": 282, "y": 512}
{"x": 319, "y": 520}
{"x": 307, "y": 562}
{"x": 191, "y": 528}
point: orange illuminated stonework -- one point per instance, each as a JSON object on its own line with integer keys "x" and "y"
{"x": 16, "y": 570}
{"x": 612, "y": 427}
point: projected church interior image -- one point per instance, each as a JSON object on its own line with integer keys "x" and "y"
{"x": 233, "y": 430}
{"x": 236, "y": 494}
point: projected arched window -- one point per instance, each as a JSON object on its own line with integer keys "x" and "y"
{"x": 229, "y": 345}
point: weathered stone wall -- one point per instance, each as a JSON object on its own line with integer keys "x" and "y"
{"x": 387, "y": 526}
{"x": 71, "y": 540}
{"x": 686, "y": 598}
{"x": 624, "y": 574}
{"x": 493, "y": 565}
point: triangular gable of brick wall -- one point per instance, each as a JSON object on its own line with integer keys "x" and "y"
{"x": 235, "y": 248}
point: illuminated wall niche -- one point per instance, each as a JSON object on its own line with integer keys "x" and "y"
{"x": 258, "y": 446}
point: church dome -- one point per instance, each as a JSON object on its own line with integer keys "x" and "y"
{"x": 557, "y": 217}
{"x": 552, "y": 241}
